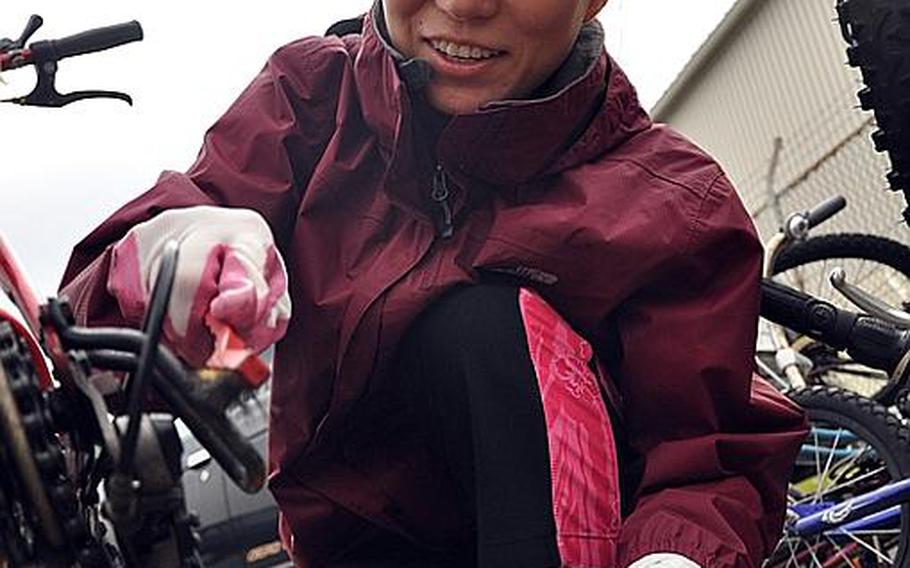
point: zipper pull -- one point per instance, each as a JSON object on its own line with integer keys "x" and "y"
{"x": 441, "y": 196}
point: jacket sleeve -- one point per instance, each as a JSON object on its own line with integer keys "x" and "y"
{"x": 718, "y": 445}
{"x": 258, "y": 155}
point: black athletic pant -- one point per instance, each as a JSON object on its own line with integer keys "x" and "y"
{"x": 472, "y": 386}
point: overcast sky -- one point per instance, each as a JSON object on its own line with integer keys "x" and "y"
{"x": 62, "y": 171}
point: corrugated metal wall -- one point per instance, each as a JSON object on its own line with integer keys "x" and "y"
{"x": 781, "y": 73}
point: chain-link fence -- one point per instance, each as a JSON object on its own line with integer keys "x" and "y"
{"x": 771, "y": 97}
{"x": 776, "y": 104}
{"x": 846, "y": 164}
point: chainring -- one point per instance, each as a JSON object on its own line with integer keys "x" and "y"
{"x": 41, "y": 520}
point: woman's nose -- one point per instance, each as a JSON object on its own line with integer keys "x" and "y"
{"x": 469, "y": 9}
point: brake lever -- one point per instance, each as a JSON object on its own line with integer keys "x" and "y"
{"x": 45, "y": 93}
{"x": 867, "y": 302}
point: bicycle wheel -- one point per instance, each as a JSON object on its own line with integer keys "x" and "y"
{"x": 878, "y": 32}
{"x": 878, "y": 265}
{"x": 854, "y": 446}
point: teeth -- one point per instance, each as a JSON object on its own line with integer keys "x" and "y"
{"x": 463, "y": 51}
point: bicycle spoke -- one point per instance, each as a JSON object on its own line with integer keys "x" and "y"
{"x": 862, "y": 275}
{"x": 818, "y": 290}
{"x": 846, "y": 464}
{"x": 882, "y": 532}
{"x": 821, "y": 485}
{"x": 799, "y": 559}
{"x": 798, "y": 281}
{"x": 868, "y": 547}
{"x": 793, "y": 555}
{"x": 818, "y": 464}
{"x": 849, "y": 483}
{"x": 843, "y": 468}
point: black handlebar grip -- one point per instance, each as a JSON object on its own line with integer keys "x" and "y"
{"x": 86, "y": 42}
{"x": 870, "y": 341}
{"x": 806, "y": 315}
{"x": 825, "y": 210}
{"x": 877, "y": 343}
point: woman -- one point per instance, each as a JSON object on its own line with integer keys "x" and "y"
{"x": 523, "y": 314}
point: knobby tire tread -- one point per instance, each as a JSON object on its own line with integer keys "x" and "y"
{"x": 876, "y": 425}
{"x": 878, "y": 34}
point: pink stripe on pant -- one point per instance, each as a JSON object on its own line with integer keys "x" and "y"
{"x": 583, "y": 460}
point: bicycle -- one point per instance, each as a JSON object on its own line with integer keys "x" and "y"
{"x": 92, "y": 474}
{"x": 851, "y": 484}
{"x": 850, "y": 490}
{"x": 880, "y": 266}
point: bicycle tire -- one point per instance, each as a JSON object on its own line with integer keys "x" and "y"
{"x": 878, "y": 34}
{"x": 846, "y": 245}
{"x": 879, "y": 265}
{"x": 880, "y": 446}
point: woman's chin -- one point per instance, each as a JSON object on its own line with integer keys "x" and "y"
{"x": 451, "y": 101}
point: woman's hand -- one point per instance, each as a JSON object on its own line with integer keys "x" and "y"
{"x": 229, "y": 272}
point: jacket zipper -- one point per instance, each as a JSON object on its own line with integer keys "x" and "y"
{"x": 441, "y": 195}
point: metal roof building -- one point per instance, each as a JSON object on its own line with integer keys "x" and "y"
{"x": 770, "y": 96}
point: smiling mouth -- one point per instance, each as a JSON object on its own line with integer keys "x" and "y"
{"x": 463, "y": 52}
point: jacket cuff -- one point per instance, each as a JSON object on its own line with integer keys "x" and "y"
{"x": 667, "y": 533}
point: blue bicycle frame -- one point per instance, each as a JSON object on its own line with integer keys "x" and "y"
{"x": 875, "y": 510}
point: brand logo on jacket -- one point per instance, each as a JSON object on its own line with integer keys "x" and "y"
{"x": 523, "y": 272}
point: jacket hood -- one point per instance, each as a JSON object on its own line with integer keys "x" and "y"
{"x": 586, "y": 108}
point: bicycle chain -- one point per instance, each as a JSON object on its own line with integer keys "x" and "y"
{"x": 38, "y": 423}
{"x": 17, "y": 539}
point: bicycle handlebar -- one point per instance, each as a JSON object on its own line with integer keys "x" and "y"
{"x": 89, "y": 41}
{"x": 44, "y": 55}
{"x": 825, "y": 210}
{"x": 867, "y": 339}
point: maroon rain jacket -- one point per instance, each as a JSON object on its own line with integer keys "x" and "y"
{"x": 627, "y": 229}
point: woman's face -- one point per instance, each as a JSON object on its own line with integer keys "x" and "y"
{"x": 486, "y": 50}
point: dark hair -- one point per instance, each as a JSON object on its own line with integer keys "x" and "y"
{"x": 346, "y": 27}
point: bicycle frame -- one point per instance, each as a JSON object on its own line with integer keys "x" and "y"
{"x": 876, "y": 510}
{"x": 16, "y": 285}
{"x": 868, "y": 511}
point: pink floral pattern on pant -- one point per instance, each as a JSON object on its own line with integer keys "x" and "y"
{"x": 583, "y": 462}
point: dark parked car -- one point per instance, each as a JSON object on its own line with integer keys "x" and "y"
{"x": 237, "y": 529}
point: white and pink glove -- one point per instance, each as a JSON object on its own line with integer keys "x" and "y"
{"x": 663, "y": 560}
{"x": 230, "y": 295}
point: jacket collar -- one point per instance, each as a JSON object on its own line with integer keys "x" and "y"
{"x": 587, "y": 108}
